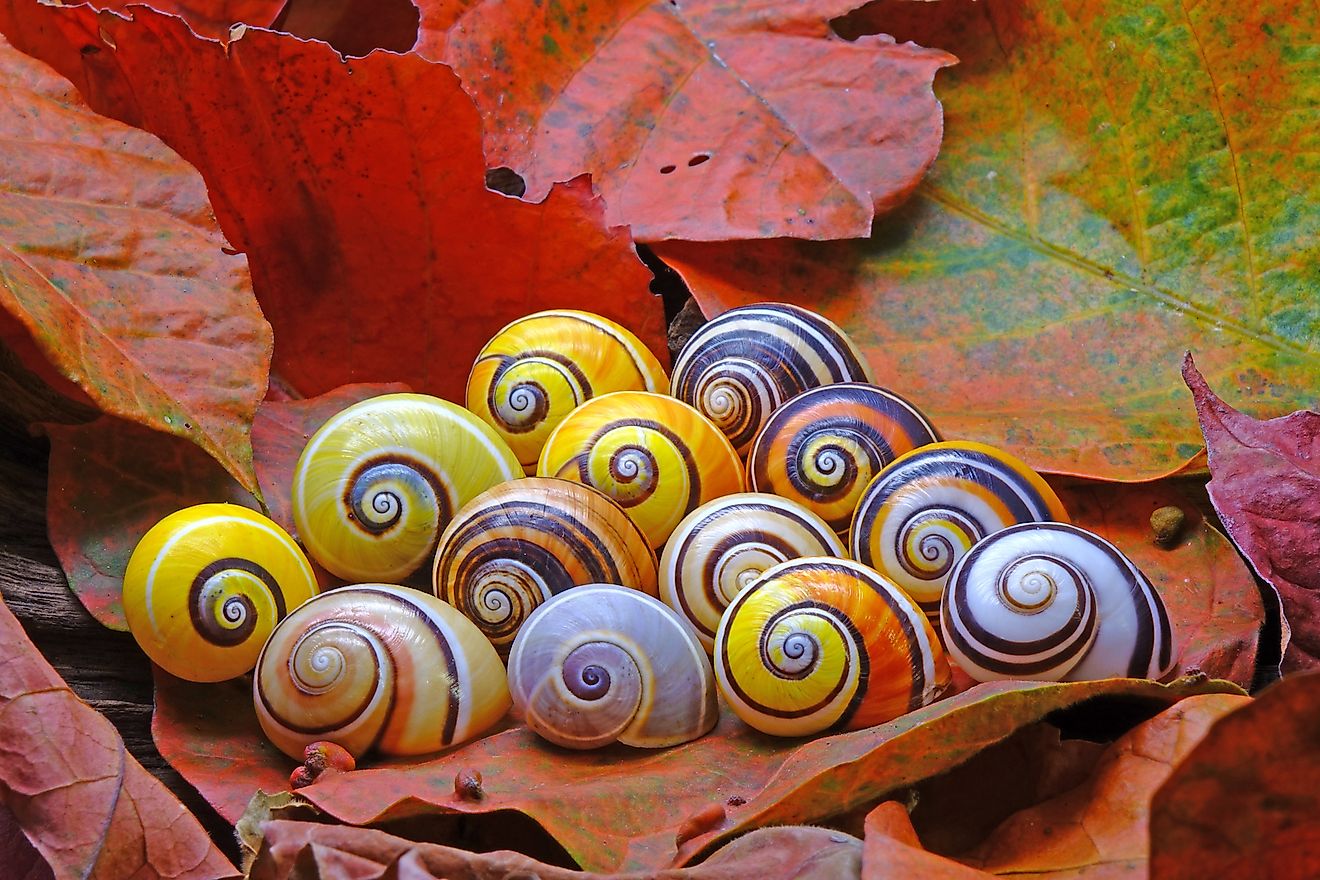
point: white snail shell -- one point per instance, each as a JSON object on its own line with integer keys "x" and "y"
{"x": 602, "y": 663}
{"x": 1053, "y": 602}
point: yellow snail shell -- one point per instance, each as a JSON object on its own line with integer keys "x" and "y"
{"x": 379, "y": 481}
{"x": 516, "y": 545}
{"x": 657, "y": 457}
{"x": 601, "y": 663}
{"x": 1053, "y": 602}
{"x": 726, "y": 544}
{"x": 924, "y": 511}
{"x": 380, "y": 666}
{"x": 823, "y": 447}
{"x": 540, "y": 368}
{"x": 743, "y": 365}
{"x": 820, "y": 644}
{"x": 206, "y": 585}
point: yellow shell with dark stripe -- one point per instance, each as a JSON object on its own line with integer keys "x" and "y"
{"x": 540, "y": 368}
{"x": 376, "y": 485}
{"x": 656, "y": 456}
{"x": 514, "y": 546}
{"x": 207, "y": 584}
{"x": 818, "y": 644}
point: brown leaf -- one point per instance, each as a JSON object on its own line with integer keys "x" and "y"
{"x": 1246, "y": 801}
{"x": 84, "y": 803}
{"x": 112, "y": 261}
{"x": 892, "y": 850}
{"x": 1265, "y": 484}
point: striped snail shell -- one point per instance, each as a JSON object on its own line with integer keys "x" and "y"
{"x": 656, "y": 456}
{"x": 1053, "y": 602}
{"x": 823, "y": 447}
{"x": 380, "y": 666}
{"x": 206, "y": 585}
{"x": 602, "y": 663}
{"x": 741, "y": 366}
{"x": 927, "y": 508}
{"x": 379, "y": 481}
{"x": 726, "y": 544}
{"x": 540, "y": 368}
{"x": 819, "y": 643}
{"x": 519, "y": 543}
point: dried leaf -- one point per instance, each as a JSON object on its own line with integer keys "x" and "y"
{"x": 1116, "y": 184}
{"x": 83, "y": 802}
{"x": 1265, "y": 484}
{"x": 892, "y": 850}
{"x": 703, "y": 120}
{"x": 111, "y": 260}
{"x": 212, "y": 18}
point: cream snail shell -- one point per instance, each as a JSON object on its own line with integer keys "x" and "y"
{"x": 821, "y": 644}
{"x": 379, "y": 481}
{"x": 726, "y": 544}
{"x": 540, "y": 368}
{"x": 823, "y": 447}
{"x": 516, "y": 545}
{"x": 206, "y": 585}
{"x": 743, "y": 365}
{"x": 380, "y": 666}
{"x": 1053, "y": 602}
{"x": 924, "y": 511}
{"x": 602, "y": 663}
{"x": 657, "y": 457}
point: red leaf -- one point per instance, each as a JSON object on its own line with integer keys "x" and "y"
{"x": 112, "y": 262}
{"x": 84, "y": 803}
{"x": 211, "y": 18}
{"x": 1265, "y": 483}
{"x": 1246, "y": 801}
{"x": 704, "y": 120}
{"x": 356, "y": 189}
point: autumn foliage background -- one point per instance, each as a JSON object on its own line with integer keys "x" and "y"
{"x": 222, "y": 222}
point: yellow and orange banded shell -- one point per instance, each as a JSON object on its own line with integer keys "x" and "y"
{"x": 820, "y": 644}
{"x": 514, "y": 546}
{"x": 540, "y": 368}
{"x": 378, "y": 483}
{"x": 823, "y": 447}
{"x": 207, "y": 584}
{"x": 657, "y": 457}
{"x": 743, "y": 365}
{"x": 377, "y": 666}
{"x": 726, "y": 544}
{"x": 931, "y": 505}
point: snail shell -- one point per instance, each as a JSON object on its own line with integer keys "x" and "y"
{"x": 823, "y": 447}
{"x": 741, "y": 366}
{"x": 602, "y": 663}
{"x": 377, "y": 665}
{"x": 725, "y": 544}
{"x": 519, "y": 543}
{"x": 379, "y": 481}
{"x": 540, "y": 368}
{"x": 1053, "y": 602}
{"x": 926, "y": 510}
{"x": 656, "y": 456}
{"x": 815, "y": 644}
{"x": 206, "y": 585}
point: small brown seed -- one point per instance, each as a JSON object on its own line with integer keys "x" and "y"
{"x": 467, "y": 785}
{"x": 1168, "y": 522}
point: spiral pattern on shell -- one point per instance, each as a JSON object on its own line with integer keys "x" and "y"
{"x": 380, "y": 666}
{"x": 1053, "y": 602}
{"x": 817, "y": 644}
{"x": 740, "y": 367}
{"x": 726, "y": 544}
{"x": 206, "y": 585}
{"x": 538, "y": 369}
{"x": 823, "y": 447}
{"x": 657, "y": 457}
{"x": 514, "y": 546}
{"x": 924, "y": 511}
{"x": 602, "y": 663}
{"x": 379, "y": 481}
